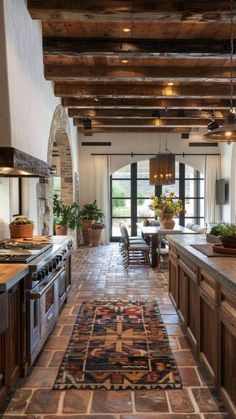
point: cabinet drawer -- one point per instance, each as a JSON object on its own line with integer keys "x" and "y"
{"x": 208, "y": 285}
{"x": 228, "y": 305}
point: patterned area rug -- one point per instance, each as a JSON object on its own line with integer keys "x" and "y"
{"x": 118, "y": 345}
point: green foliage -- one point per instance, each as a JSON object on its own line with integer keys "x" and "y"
{"x": 118, "y": 191}
{"x": 91, "y": 212}
{"x": 21, "y": 219}
{"x": 66, "y": 214}
{"x": 223, "y": 229}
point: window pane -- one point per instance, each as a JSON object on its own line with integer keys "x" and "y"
{"x": 189, "y": 172}
{"x": 143, "y": 209}
{"x": 176, "y": 169}
{"x": 121, "y": 188}
{"x": 202, "y": 190}
{"x": 121, "y": 207}
{"x": 115, "y": 226}
{"x": 201, "y": 207}
{"x": 190, "y": 188}
{"x": 124, "y": 172}
{"x": 56, "y": 181}
{"x": 144, "y": 190}
{"x": 190, "y": 207}
{"x": 171, "y": 188}
{"x": 143, "y": 169}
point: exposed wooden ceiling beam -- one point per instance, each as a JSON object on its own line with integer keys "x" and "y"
{"x": 141, "y": 91}
{"x": 137, "y": 129}
{"x": 140, "y": 74}
{"x": 144, "y": 122}
{"x": 104, "y": 10}
{"x": 142, "y": 103}
{"x": 144, "y": 113}
{"x": 133, "y": 48}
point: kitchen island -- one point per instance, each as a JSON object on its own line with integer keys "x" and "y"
{"x": 203, "y": 291}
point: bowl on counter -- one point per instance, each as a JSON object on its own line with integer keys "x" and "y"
{"x": 228, "y": 241}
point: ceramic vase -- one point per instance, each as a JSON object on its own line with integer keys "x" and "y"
{"x": 166, "y": 221}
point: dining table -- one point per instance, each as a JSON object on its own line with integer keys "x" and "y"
{"x": 154, "y": 234}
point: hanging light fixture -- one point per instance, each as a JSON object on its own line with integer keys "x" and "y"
{"x": 226, "y": 133}
{"x": 162, "y": 168}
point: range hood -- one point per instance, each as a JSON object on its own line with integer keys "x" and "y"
{"x": 16, "y": 163}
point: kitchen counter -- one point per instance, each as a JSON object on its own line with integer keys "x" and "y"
{"x": 10, "y": 274}
{"x": 223, "y": 269}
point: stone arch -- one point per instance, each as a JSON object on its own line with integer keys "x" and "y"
{"x": 59, "y": 139}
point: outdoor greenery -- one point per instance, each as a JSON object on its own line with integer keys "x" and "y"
{"x": 223, "y": 229}
{"x": 91, "y": 212}
{"x": 21, "y": 219}
{"x": 166, "y": 203}
{"x": 66, "y": 214}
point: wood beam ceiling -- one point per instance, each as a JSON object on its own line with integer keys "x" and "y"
{"x": 119, "y": 80}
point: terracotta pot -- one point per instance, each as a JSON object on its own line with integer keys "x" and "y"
{"x": 18, "y": 231}
{"x": 86, "y": 225}
{"x": 61, "y": 229}
{"x": 95, "y": 236}
{"x": 167, "y": 221}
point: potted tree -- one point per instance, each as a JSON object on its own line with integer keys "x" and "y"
{"x": 21, "y": 227}
{"x": 66, "y": 216}
{"x": 89, "y": 214}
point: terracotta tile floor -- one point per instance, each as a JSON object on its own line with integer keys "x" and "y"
{"x": 98, "y": 273}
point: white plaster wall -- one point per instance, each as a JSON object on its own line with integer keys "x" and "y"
{"x": 5, "y": 126}
{"x": 136, "y": 143}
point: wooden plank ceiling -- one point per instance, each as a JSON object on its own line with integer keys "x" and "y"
{"x": 138, "y": 65}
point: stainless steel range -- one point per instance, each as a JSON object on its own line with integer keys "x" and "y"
{"x": 46, "y": 285}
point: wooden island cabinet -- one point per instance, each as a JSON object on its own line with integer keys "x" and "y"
{"x": 203, "y": 291}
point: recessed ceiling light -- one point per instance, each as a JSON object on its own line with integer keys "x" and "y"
{"x": 126, "y": 29}
{"x": 171, "y": 83}
{"x": 124, "y": 61}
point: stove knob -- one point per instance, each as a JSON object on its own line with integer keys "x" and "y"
{"x": 35, "y": 276}
{"x": 46, "y": 270}
{"x": 50, "y": 267}
{"x": 54, "y": 263}
{"x": 60, "y": 257}
{"x": 42, "y": 273}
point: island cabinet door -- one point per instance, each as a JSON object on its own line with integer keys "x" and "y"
{"x": 173, "y": 276}
{"x": 227, "y": 351}
{"x": 189, "y": 298}
{"x": 14, "y": 334}
{"x": 3, "y": 345}
{"x": 208, "y": 325}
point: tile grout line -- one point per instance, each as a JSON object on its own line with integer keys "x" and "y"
{"x": 192, "y": 398}
{"x": 61, "y": 403}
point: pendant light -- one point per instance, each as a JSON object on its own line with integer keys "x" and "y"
{"x": 226, "y": 133}
{"x": 162, "y": 168}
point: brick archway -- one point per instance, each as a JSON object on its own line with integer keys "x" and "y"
{"x": 59, "y": 144}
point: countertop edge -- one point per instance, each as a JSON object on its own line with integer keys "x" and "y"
{"x": 15, "y": 278}
{"x": 190, "y": 252}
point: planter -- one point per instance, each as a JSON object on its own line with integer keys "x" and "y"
{"x": 228, "y": 241}
{"x": 86, "y": 225}
{"x": 166, "y": 221}
{"x": 61, "y": 229}
{"x": 95, "y": 236}
{"x": 18, "y": 231}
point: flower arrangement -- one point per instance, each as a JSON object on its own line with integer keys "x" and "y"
{"x": 166, "y": 204}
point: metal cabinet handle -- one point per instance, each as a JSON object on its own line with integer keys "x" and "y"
{"x": 36, "y": 295}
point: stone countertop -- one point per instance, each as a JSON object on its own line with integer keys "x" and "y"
{"x": 10, "y": 274}
{"x": 223, "y": 269}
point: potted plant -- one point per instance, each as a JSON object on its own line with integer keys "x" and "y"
{"x": 89, "y": 214}
{"x": 166, "y": 207}
{"x": 226, "y": 233}
{"x": 21, "y": 227}
{"x": 66, "y": 216}
{"x": 95, "y": 233}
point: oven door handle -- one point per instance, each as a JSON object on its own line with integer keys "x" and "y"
{"x": 36, "y": 295}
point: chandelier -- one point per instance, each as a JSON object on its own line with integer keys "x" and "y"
{"x": 162, "y": 167}
{"x": 226, "y": 133}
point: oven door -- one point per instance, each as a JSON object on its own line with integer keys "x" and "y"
{"x": 62, "y": 294}
{"x": 43, "y": 311}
